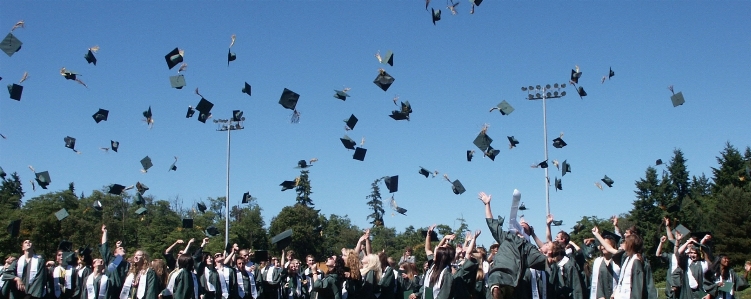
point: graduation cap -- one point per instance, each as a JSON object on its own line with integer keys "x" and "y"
{"x": 359, "y": 154}
{"x": 558, "y": 184}
{"x": 173, "y": 167}
{"x": 392, "y": 183}
{"x": 611, "y": 73}
{"x": 114, "y": 145}
{"x": 658, "y": 162}
{"x": 341, "y": 94}
{"x": 2, "y": 173}
{"x": 141, "y": 211}
{"x": 457, "y": 187}
{"x": 676, "y": 98}
{"x": 246, "y": 89}
{"x": 101, "y": 115}
{"x": 211, "y": 231}
{"x": 476, "y": 2}
{"x": 97, "y": 205}
{"x": 683, "y": 230}
{"x": 575, "y": 75}
{"x": 187, "y": 223}
{"x": 201, "y": 207}
{"x": 433, "y": 235}
{"x": 522, "y": 207}
{"x": 348, "y": 142}
{"x": 10, "y": 44}
{"x": 230, "y": 56}
{"x": 383, "y": 80}
{"x": 177, "y": 81}
{"x": 139, "y": 199}
{"x": 397, "y": 208}
{"x": 204, "y": 107}
{"x": 559, "y": 143}
{"x": 246, "y": 197}
{"x": 14, "y": 228}
{"x": 43, "y": 179}
{"x": 470, "y": 153}
{"x": 608, "y": 235}
{"x": 260, "y": 256}
{"x": 608, "y": 181}
{"x": 492, "y": 153}
{"x": 388, "y": 58}
{"x": 62, "y": 214}
{"x": 565, "y": 167}
{"x": 173, "y": 58}
{"x": 581, "y": 92}
{"x": 70, "y": 143}
{"x": 512, "y": 141}
{"x": 146, "y": 164}
{"x": 289, "y": 99}
{"x": 543, "y": 164}
{"x": 504, "y": 107}
{"x": 286, "y": 185}
{"x": 351, "y": 122}
{"x": 65, "y": 246}
{"x": 15, "y": 91}
{"x": 302, "y": 164}
{"x": 84, "y": 252}
{"x": 557, "y": 222}
{"x": 436, "y": 14}
{"x": 190, "y": 112}
{"x": 116, "y": 189}
{"x": 483, "y": 141}
{"x": 282, "y": 240}
{"x": 142, "y": 188}
{"x": 90, "y": 58}
{"x": 424, "y": 172}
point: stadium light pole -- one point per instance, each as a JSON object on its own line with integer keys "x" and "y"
{"x": 543, "y": 93}
{"x": 229, "y": 125}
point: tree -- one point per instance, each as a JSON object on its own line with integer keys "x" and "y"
{"x": 646, "y": 213}
{"x": 375, "y": 204}
{"x": 11, "y": 193}
{"x": 732, "y": 220}
{"x": 339, "y": 232}
{"x": 247, "y": 229}
{"x": 303, "y": 190}
{"x": 303, "y": 221}
{"x": 459, "y": 232}
{"x": 732, "y": 166}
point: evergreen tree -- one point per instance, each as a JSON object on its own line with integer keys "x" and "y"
{"x": 375, "y": 204}
{"x": 11, "y": 193}
{"x": 732, "y": 167}
{"x": 72, "y": 187}
{"x": 303, "y": 221}
{"x": 303, "y": 190}
{"x": 732, "y": 220}
{"x": 646, "y": 213}
{"x": 459, "y": 232}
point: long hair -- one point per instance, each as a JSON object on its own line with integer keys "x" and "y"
{"x": 409, "y": 268}
{"x": 161, "y": 271}
{"x": 633, "y": 245}
{"x": 374, "y": 264}
{"x": 185, "y": 261}
{"x": 384, "y": 259}
{"x": 354, "y": 265}
{"x": 146, "y": 263}
{"x": 479, "y": 255}
{"x": 338, "y": 268}
{"x": 443, "y": 258}
{"x": 721, "y": 272}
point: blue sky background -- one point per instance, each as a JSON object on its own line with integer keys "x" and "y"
{"x": 451, "y": 73}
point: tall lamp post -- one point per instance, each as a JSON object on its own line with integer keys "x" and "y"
{"x": 229, "y": 125}
{"x": 543, "y": 93}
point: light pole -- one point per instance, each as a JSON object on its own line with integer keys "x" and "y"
{"x": 543, "y": 93}
{"x": 229, "y": 125}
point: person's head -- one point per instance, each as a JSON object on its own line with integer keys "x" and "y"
{"x": 408, "y": 268}
{"x": 27, "y": 246}
{"x": 371, "y": 262}
{"x": 290, "y": 255}
{"x": 724, "y": 260}
{"x": 608, "y": 239}
{"x": 207, "y": 258}
{"x": 9, "y": 260}
{"x": 97, "y": 266}
{"x": 330, "y": 261}
{"x": 384, "y": 259}
{"x": 562, "y": 237}
{"x": 392, "y": 262}
{"x": 59, "y": 257}
{"x": 274, "y": 262}
{"x": 140, "y": 258}
{"x": 185, "y": 261}
{"x": 425, "y": 266}
{"x": 219, "y": 259}
{"x": 294, "y": 266}
{"x": 353, "y": 263}
{"x": 632, "y": 230}
{"x": 494, "y": 248}
{"x": 556, "y": 252}
{"x": 161, "y": 271}
{"x": 408, "y": 250}
{"x": 243, "y": 253}
{"x": 337, "y": 266}
{"x": 310, "y": 260}
{"x": 120, "y": 251}
{"x": 443, "y": 258}
{"x": 633, "y": 244}
{"x": 240, "y": 262}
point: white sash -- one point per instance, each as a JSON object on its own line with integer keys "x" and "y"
{"x": 206, "y": 276}
{"x": 102, "y": 287}
{"x": 141, "y": 291}
{"x": 269, "y": 274}
{"x": 2, "y": 282}
{"x": 437, "y": 286}
{"x": 596, "y": 275}
{"x": 32, "y": 272}
{"x": 224, "y": 281}
{"x": 623, "y": 290}
{"x": 127, "y": 285}
{"x": 171, "y": 281}
{"x": 513, "y": 223}
{"x": 344, "y": 290}
{"x": 691, "y": 279}
{"x": 56, "y": 280}
{"x": 68, "y": 275}
{"x": 536, "y": 286}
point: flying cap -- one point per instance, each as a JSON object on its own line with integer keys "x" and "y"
{"x": 10, "y": 44}
{"x": 141, "y": 211}
{"x": 341, "y": 94}
{"x": 101, "y": 115}
{"x": 388, "y": 58}
{"x": 114, "y": 145}
{"x": 173, "y": 58}
{"x": 558, "y": 184}
{"x": 211, "y": 231}
{"x": 204, "y": 107}
{"x": 15, "y": 91}
{"x": 611, "y": 73}
{"x": 246, "y": 89}
{"x": 289, "y": 99}
{"x": 246, "y": 197}
{"x": 383, "y": 80}
{"x": 575, "y": 75}
{"x": 116, "y": 189}
{"x": 351, "y": 122}
{"x": 90, "y": 58}
{"x": 557, "y": 222}
{"x": 581, "y": 92}
{"x": 286, "y": 185}
{"x": 658, "y": 162}
{"x": 559, "y": 143}
{"x": 302, "y": 164}
{"x": 187, "y": 223}
{"x": 177, "y": 82}
{"x": 146, "y": 164}
{"x": 457, "y": 187}
{"x": 359, "y": 154}
{"x": 142, "y": 188}
{"x": 230, "y": 56}
{"x": 505, "y": 108}
{"x": 512, "y": 141}
{"x": 677, "y": 99}
{"x": 97, "y": 205}
{"x": 43, "y": 179}
{"x": 436, "y": 14}
{"x": 483, "y": 141}
{"x": 62, "y": 214}
{"x": 470, "y": 153}
{"x": 392, "y": 183}
{"x": 348, "y": 142}
{"x": 424, "y": 172}
{"x": 70, "y": 143}
{"x": 565, "y": 167}
{"x": 282, "y": 240}
{"x": 608, "y": 181}
{"x": 201, "y": 207}
{"x": 492, "y": 153}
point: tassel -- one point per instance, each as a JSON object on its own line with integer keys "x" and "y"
{"x": 378, "y": 56}
{"x": 19, "y": 24}
{"x": 182, "y": 68}
{"x": 94, "y": 49}
{"x": 25, "y": 76}
{"x": 233, "y": 40}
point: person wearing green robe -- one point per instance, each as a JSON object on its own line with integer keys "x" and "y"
{"x": 210, "y": 284}
{"x": 141, "y": 281}
{"x": 387, "y": 283}
{"x": 227, "y": 275}
{"x": 95, "y": 285}
{"x": 465, "y": 277}
{"x": 292, "y": 280}
{"x": 83, "y": 270}
{"x": 27, "y": 277}
{"x": 246, "y": 279}
{"x": 330, "y": 286}
{"x": 439, "y": 281}
{"x": 408, "y": 279}
{"x": 697, "y": 279}
{"x": 371, "y": 275}
{"x": 182, "y": 283}
{"x": 727, "y": 281}
{"x": 116, "y": 266}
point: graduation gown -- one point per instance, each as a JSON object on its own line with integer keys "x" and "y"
{"x": 705, "y": 283}
{"x": 92, "y": 286}
{"x": 739, "y": 284}
{"x": 183, "y": 285}
{"x": 329, "y": 287}
{"x": 116, "y": 270}
{"x": 82, "y": 273}
{"x": 292, "y": 286}
{"x": 151, "y": 290}
{"x": 443, "y": 288}
{"x": 514, "y": 256}
{"x": 34, "y": 271}
{"x": 370, "y": 286}
{"x": 271, "y": 288}
{"x": 388, "y": 284}
{"x": 406, "y": 286}
{"x": 246, "y": 285}
{"x": 464, "y": 279}
{"x": 229, "y": 276}
{"x": 607, "y": 278}
{"x": 566, "y": 280}
{"x": 632, "y": 283}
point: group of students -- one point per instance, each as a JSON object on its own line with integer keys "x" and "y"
{"x": 518, "y": 266}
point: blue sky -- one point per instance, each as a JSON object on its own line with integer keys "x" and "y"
{"x": 451, "y": 73}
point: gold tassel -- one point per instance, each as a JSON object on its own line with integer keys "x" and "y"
{"x": 94, "y": 49}
{"x": 233, "y": 40}
{"x": 19, "y": 24}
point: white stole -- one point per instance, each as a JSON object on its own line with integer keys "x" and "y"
{"x": 691, "y": 279}
{"x": 102, "y": 287}
{"x": 596, "y": 275}
{"x": 224, "y": 281}
{"x": 437, "y": 285}
{"x": 206, "y": 275}
{"x": 298, "y": 286}
{"x": 141, "y": 291}
{"x": 56, "y": 279}
{"x": 240, "y": 284}
{"x": 32, "y": 272}
{"x": 171, "y": 280}
{"x": 535, "y": 285}
{"x": 623, "y": 290}
{"x": 127, "y": 285}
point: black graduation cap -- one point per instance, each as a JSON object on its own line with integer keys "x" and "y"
{"x": 204, "y": 107}
{"x": 211, "y": 231}
{"x": 565, "y": 167}
{"x": 116, "y": 189}
{"x": 557, "y": 222}
{"x": 302, "y": 164}
{"x": 286, "y": 185}
{"x": 658, "y": 162}
{"x": 177, "y": 81}
{"x": 289, "y": 99}
{"x": 457, "y": 187}
{"x": 388, "y": 58}
{"x": 90, "y": 58}
{"x": 246, "y": 197}
{"x": 404, "y": 113}
{"x": 611, "y": 73}
{"x": 392, "y": 183}
{"x": 201, "y": 207}
{"x": 351, "y": 122}
{"x": 433, "y": 235}
{"x": 383, "y": 80}
{"x": 230, "y": 56}
{"x": 581, "y": 92}
{"x": 84, "y": 252}
{"x": 492, "y": 153}
{"x": 15, "y": 91}
{"x": 101, "y": 115}
{"x": 69, "y": 75}
{"x": 114, "y": 145}
{"x": 260, "y": 256}
{"x": 173, "y": 58}
{"x": 173, "y": 167}
{"x": 341, "y": 94}
{"x": 359, "y": 154}
{"x": 543, "y": 164}
{"x": 401, "y": 210}
{"x": 512, "y": 141}
{"x": 559, "y": 143}
{"x": 142, "y": 188}
{"x": 608, "y": 181}
{"x": 70, "y": 143}
{"x": 476, "y": 2}
{"x": 237, "y": 115}
{"x": 677, "y": 99}
{"x": 139, "y": 199}
{"x": 146, "y": 164}
{"x": 522, "y": 207}
{"x": 470, "y": 153}
{"x": 190, "y": 112}
{"x": 43, "y": 179}
{"x": 424, "y": 172}
{"x": 10, "y": 44}
{"x": 187, "y": 223}
{"x": 348, "y": 142}
{"x": 558, "y": 184}
{"x": 14, "y": 228}
{"x": 436, "y": 14}
{"x": 97, "y": 205}
{"x": 575, "y": 75}
{"x": 505, "y": 108}
{"x": 62, "y": 214}
{"x": 141, "y": 211}
{"x": 246, "y": 89}
{"x": 282, "y": 240}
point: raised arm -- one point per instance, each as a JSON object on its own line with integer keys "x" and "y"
{"x": 658, "y": 253}
{"x": 616, "y": 230}
{"x": 668, "y": 232}
{"x": 368, "y": 250}
{"x": 485, "y": 198}
{"x": 576, "y": 247}
{"x": 428, "y": 247}
{"x": 104, "y": 234}
{"x": 169, "y": 249}
{"x": 548, "y": 234}
{"x": 359, "y": 246}
{"x": 530, "y": 231}
{"x": 683, "y": 247}
{"x": 708, "y": 256}
{"x": 606, "y": 245}
{"x": 228, "y": 260}
{"x": 472, "y": 243}
{"x": 185, "y": 251}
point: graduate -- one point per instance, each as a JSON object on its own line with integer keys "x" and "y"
{"x": 465, "y": 276}
{"x": 226, "y": 273}
{"x": 439, "y": 281}
{"x": 83, "y": 270}
{"x": 604, "y": 270}
{"x": 64, "y": 278}
{"x": 352, "y": 276}
{"x": 271, "y": 276}
{"x": 182, "y": 283}
{"x": 632, "y": 280}
{"x": 408, "y": 278}
{"x": 245, "y": 277}
{"x": 5, "y": 287}
{"x": 698, "y": 281}
{"x": 292, "y": 280}
{"x": 96, "y": 284}
{"x": 211, "y": 285}
{"x": 387, "y": 283}
{"x": 116, "y": 266}
{"x": 673, "y": 279}
{"x": 141, "y": 281}
{"x": 27, "y": 276}
{"x": 371, "y": 275}
{"x": 727, "y": 281}
{"x": 330, "y": 286}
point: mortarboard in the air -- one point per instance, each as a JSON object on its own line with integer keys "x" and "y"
{"x": 62, "y": 214}
{"x": 512, "y": 141}
{"x": 677, "y": 99}
{"x": 201, "y": 207}
{"x": 14, "y": 228}
{"x": 557, "y": 222}
{"x": 470, "y": 153}
{"x": 146, "y": 164}
{"x": 260, "y": 256}
{"x": 565, "y": 167}
{"x": 141, "y": 211}
{"x": 187, "y": 223}
{"x": 383, "y": 80}
{"x": 43, "y": 179}
{"x": 351, "y": 122}
{"x": 246, "y": 197}
{"x": 424, "y": 172}
{"x": 575, "y": 75}
{"x": 581, "y": 92}
{"x": 237, "y": 115}
{"x": 457, "y": 187}
{"x": 70, "y": 143}
{"x": 392, "y": 183}
{"x": 114, "y": 145}
{"x": 97, "y": 205}
{"x": 388, "y": 58}
{"x": 101, "y": 115}
{"x": 682, "y": 229}
{"x": 139, "y": 199}
{"x": 359, "y": 154}
{"x": 483, "y": 141}
{"x": 147, "y": 114}
{"x": 247, "y": 89}
{"x": 401, "y": 210}
{"x": 436, "y": 14}
{"x": 116, "y": 189}
{"x": 476, "y": 2}
{"x": 658, "y": 162}
{"x": 286, "y": 185}
{"x": 406, "y": 110}
{"x": 558, "y": 184}
{"x": 15, "y": 91}
{"x": 190, "y": 112}
{"x": 608, "y": 181}
{"x": 69, "y": 75}
{"x": 282, "y": 240}
{"x": 142, "y": 188}
{"x": 611, "y": 73}
{"x": 10, "y": 44}
{"x": 348, "y": 142}
{"x": 559, "y": 143}
{"x": 90, "y": 58}
{"x": 173, "y": 58}
{"x": 230, "y": 56}
{"x": 522, "y": 207}
{"x": 492, "y": 153}
{"x": 173, "y": 167}
{"x": 302, "y": 164}
{"x": 289, "y": 99}
{"x": 177, "y": 81}
{"x": 433, "y": 235}
{"x": 341, "y": 94}
{"x": 211, "y": 231}
{"x": 543, "y": 164}
{"x": 505, "y": 108}
{"x": 204, "y": 107}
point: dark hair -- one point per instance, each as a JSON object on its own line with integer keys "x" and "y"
{"x": 408, "y": 248}
{"x": 557, "y": 249}
{"x": 185, "y": 261}
{"x": 717, "y": 267}
{"x": 634, "y": 230}
{"x": 384, "y": 259}
{"x": 566, "y": 236}
{"x": 633, "y": 244}
{"x": 443, "y": 258}
{"x": 338, "y": 268}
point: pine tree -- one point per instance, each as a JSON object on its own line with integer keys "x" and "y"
{"x": 375, "y": 204}
{"x": 11, "y": 192}
{"x": 732, "y": 167}
{"x": 303, "y": 190}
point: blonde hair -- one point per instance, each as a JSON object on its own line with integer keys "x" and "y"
{"x": 374, "y": 264}
{"x": 145, "y": 266}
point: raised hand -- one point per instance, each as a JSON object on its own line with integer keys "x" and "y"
{"x": 663, "y": 239}
{"x": 485, "y": 198}
{"x": 595, "y": 230}
{"x": 477, "y": 233}
{"x": 549, "y": 219}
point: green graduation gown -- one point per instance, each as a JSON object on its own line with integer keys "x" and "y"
{"x": 20, "y": 268}
{"x": 329, "y": 287}
{"x": 514, "y": 256}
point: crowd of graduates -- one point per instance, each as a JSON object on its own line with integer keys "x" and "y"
{"x": 520, "y": 265}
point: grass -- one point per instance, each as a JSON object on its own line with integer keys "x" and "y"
{"x": 745, "y": 294}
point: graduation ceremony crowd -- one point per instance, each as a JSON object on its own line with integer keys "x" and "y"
{"x": 519, "y": 265}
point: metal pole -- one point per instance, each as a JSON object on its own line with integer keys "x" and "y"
{"x": 545, "y": 135}
{"x": 226, "y": 215}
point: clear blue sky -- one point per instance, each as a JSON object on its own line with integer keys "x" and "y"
{"x": 451, "y": 73}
